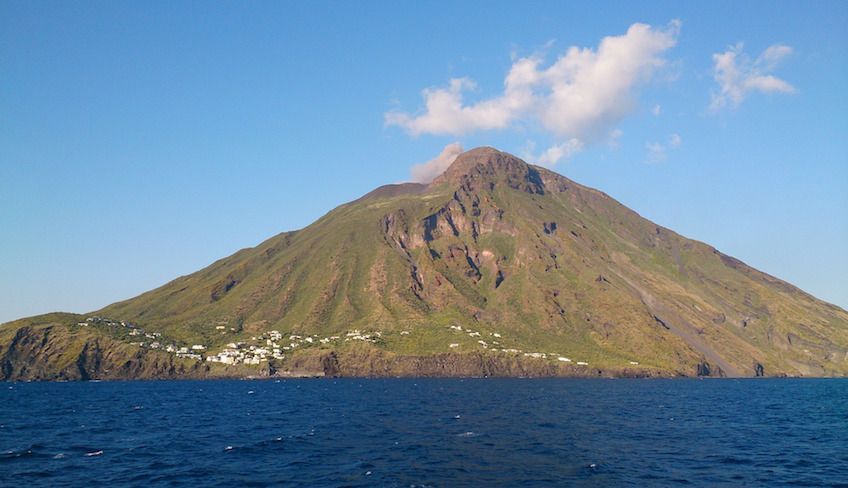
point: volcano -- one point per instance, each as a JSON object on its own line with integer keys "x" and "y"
{"x": 496, "y": 268}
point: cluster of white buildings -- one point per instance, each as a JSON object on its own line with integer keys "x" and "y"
{"x": 356, "y": 335}
{"x": 241, "y": 353}
{"x": 102, "y": 321}
{"x": 497, "y": 346}
{"x": 155, "y": 338}
{"x": 262, "y": 348}
{"x": 273, "y": 345}
{"x": 186, "y": 352}
{"x": 483, "y": 344}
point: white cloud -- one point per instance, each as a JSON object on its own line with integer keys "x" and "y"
{"x": 552, "y": 155}
{"x": 613, "y": 137}
{"x": 580, "y": 96}
{"x": 446, "y": 114}
{"x": 590, "y": 91}
{"x": 674, "y": 140}
{"x": 426, "y": 172}
{"x": 657, "y": 110}
{"x": 737, "y": 75}
{"x": 658, "y": 152}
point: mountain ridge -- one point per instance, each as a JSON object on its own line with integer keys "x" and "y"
{"x": 502, "y": 260}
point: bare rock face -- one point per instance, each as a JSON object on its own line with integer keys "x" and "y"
{"x": 486, "y": 167}
{"x": 54, "y": 353}
{"x": 705, "y": 369}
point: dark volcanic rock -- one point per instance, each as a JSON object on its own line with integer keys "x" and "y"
{"x": 376, "y": 363}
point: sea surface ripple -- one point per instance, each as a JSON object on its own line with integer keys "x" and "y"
{"x": 426, "y": 432}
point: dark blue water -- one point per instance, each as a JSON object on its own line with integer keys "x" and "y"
{"x": 426, "y": 433}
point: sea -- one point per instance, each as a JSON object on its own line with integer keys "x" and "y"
{"x": 426, "y": 433}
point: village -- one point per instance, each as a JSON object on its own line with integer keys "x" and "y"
{"x": 155, "y": 338}
{"x": 275, "y": 344}
{"x": 267, "y": 346}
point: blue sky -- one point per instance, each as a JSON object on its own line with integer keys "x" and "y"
{"x": 141, "y": 141}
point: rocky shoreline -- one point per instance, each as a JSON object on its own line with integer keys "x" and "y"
{"x": 381, "y": 364}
